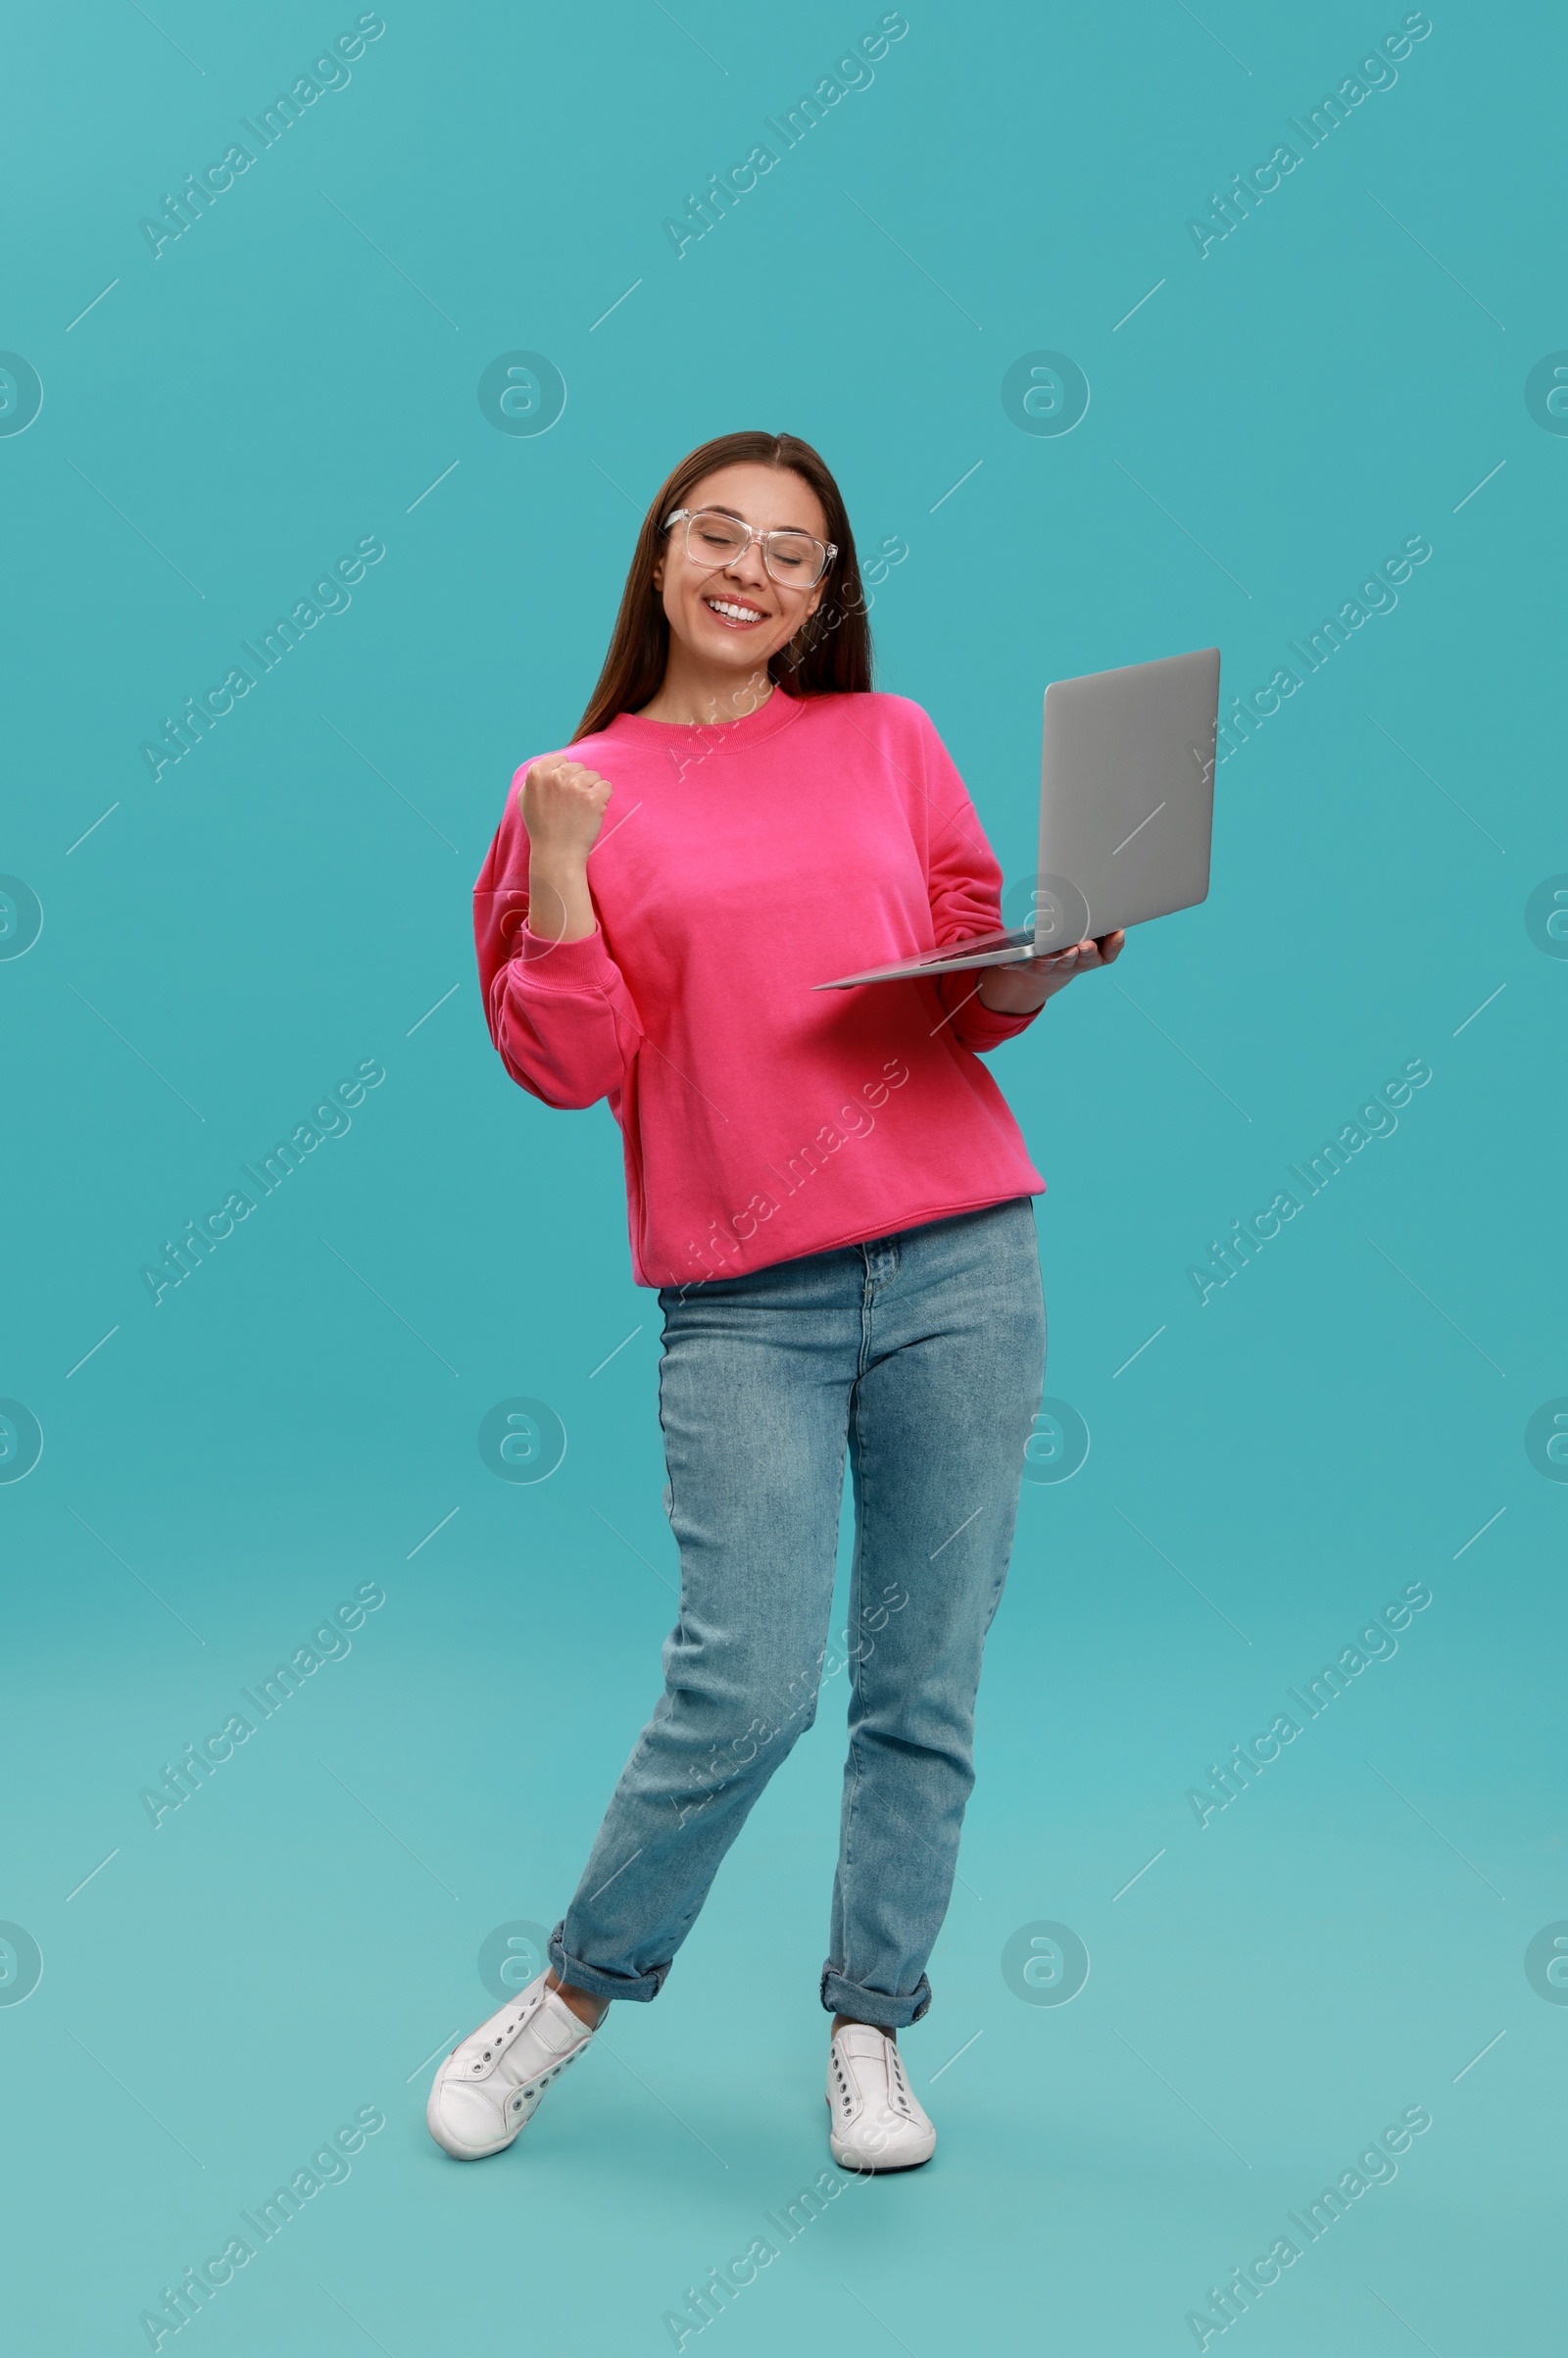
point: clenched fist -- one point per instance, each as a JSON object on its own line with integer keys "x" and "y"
{"x": 563, "y": 805}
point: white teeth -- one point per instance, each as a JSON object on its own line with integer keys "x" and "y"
{"x": 741, "y": 614}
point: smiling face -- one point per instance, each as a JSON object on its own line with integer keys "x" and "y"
{"x": 733, "y": 617}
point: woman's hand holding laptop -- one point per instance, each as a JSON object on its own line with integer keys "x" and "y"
{"x": 1020, "y": 990}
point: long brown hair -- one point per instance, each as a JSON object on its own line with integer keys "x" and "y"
{"x": 830, "y": 656}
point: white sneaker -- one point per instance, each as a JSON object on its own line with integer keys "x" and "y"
{"x": 490, "y": 2086}
{"x": 876, "y": 2120}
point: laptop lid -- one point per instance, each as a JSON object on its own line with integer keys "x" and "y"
{"x": 1126, "y": 797}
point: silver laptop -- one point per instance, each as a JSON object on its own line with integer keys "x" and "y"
{"x": 1126, "y": 810}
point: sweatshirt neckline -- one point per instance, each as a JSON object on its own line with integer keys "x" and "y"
{"x": 711, "y": 737}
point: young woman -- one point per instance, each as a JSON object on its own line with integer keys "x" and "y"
{"x": 832, "y": 1197}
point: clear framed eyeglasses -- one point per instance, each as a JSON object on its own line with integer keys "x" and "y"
{"x": 794, "y": 559}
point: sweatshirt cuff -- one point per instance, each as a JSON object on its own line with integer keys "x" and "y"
{"x": 987, "y": 1027}
{"x": 581, "y": 965}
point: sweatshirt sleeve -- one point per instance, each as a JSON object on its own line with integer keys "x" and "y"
{"x": 964, "y": 882}
{"x": 560, "y": 1013}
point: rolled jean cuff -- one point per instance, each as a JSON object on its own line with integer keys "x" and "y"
{"x": 842, "y": 1997}
{"x": 641, "y": 1986}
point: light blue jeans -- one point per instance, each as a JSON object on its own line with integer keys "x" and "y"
{"x": 924, "y": 1354}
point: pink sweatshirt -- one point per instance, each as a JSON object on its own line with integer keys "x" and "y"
{"x": 736, "y": 867}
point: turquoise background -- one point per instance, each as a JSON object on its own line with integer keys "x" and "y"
{"x": 293, "y": 375}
